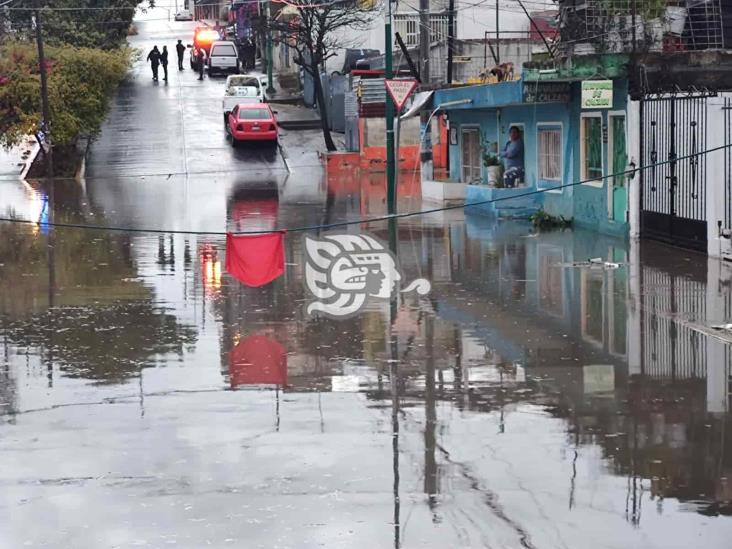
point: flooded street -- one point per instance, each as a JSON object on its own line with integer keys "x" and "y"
{"x": 530, "y": 400}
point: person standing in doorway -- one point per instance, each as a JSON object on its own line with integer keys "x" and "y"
{"x": 154, "y": 58}
{"x": 180, "y": 49}
{"x": 513, "y": 156}
{"x": 164, "y": 62}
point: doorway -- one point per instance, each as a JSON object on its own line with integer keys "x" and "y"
{"x": 618, "y": 154}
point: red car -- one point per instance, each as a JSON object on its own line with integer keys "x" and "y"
{"x": 252, "y": 122}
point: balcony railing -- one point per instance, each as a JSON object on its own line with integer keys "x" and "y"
{"x": 622, "y": 26}
{"x": 408, "y": 27}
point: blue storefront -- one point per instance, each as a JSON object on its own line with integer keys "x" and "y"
{"x": 563, "y": 144}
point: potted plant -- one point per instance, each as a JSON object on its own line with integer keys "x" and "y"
{"x": 494, "y": 169}
{"x": 653, "y": 13}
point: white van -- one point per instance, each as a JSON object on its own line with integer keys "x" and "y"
{"x": 223, "y": 57}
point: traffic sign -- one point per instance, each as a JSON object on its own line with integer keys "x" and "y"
{"x": 400, "y": 90}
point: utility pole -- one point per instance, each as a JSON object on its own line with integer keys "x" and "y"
{"x": 424, "y": 40}
{"x": 48, "y": 155}
{"x": 498, "y": 33}
{"x": 45, "y": 123}
{"x": 270, "y": 87}
{"x": 390, "y": 159}
{"x": 424, "y": 118}
{"x": 450, "y": 38}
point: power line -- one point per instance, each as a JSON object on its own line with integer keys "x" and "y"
{"x": 366, "y": 221}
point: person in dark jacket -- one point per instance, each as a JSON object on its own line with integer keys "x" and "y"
{"x": 164, "y": 62}
{"x": 181, "y": 49}
{"x": 201, "y": 60}
{"x": 154, "y": 58}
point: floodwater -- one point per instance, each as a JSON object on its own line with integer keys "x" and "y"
{"x": 147, "y": 399}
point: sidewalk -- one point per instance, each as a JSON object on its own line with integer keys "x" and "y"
{"x": 284, "y": 96}
{"x": 296, "y": 117}
{"x": 14, "y": 162}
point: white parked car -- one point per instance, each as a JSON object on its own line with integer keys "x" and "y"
{"x": 223, "y": 57}
{"x": 241, "y": 88}
{"x": 183, "y": 15}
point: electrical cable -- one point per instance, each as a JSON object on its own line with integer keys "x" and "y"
{"x": 371, "y": 219}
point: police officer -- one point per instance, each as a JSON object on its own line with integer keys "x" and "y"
{"x": 164, "y": 62}
{"x": 201, "y": 59}
{"x": 154, "y": 58}
{"x": 181, "y": 49}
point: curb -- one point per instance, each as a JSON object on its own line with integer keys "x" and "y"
{"x": 289, "y": 100}
{"x": 300, "y": 124}
{"x": 81, "y": 170}
{"x": 35, "y": 149}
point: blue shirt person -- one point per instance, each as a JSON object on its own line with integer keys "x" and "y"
{"x": 513, "y": 157}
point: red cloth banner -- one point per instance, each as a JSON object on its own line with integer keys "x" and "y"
{"x": 258, "y": 360}
{"x": 255, "y": 260}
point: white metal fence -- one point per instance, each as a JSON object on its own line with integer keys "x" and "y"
{"x": 408, "y": 27}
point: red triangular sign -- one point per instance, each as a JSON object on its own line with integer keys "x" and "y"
{"x": 400, "y": 90}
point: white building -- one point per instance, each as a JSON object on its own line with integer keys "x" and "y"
{"x": 474, "y": 28}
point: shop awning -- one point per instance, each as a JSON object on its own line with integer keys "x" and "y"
{"x": 422, "y": 100}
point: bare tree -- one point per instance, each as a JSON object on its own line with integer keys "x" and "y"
{"x": 317, "y": 32}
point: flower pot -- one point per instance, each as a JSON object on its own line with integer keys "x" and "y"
{"x": 494, "y": 175}
{"x": 654, "y": 30}
{"x": 675, "y": 20}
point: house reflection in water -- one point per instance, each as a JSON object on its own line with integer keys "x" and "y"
{"x": 623, "y": 361}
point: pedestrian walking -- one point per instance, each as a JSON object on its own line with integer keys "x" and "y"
{"x": 181, "y": 49}
{"x": 154, "y": 58}
{"x": 164, "y": 62}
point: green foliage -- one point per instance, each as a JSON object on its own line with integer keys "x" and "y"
{"x": 491, "y": 160}
{"x": 80, "y": 82}
{"x": 543, "y": 220}
{"x": 105, "y": 26}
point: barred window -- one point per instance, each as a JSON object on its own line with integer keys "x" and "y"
{"x": 471, "y": 156}
{"x": 550, "y": 153}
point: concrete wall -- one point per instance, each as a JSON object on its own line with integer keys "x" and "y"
{"x": 470, "y": 58}
{"x": 717, "y": 176}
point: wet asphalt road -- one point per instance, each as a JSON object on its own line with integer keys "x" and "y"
{"x": 527, "y": 403}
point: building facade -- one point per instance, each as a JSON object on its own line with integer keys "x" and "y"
{"x": 575, "y": 154}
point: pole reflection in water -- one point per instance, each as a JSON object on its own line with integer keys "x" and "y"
{"x": 394, "y": 380}
{"x": 430, "y": 441}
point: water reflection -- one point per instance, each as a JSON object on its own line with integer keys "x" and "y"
{"x": 527, "y": 402}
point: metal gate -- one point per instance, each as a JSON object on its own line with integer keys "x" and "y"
{"x": 673, "y": 184}
{"x": 727, "y": 110}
